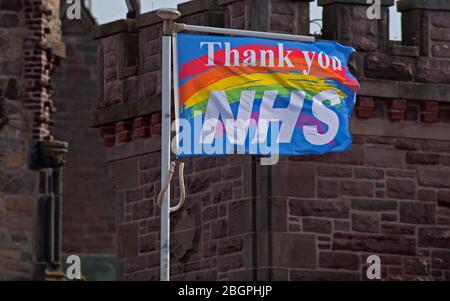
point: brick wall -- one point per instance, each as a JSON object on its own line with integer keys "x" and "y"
{"x": 306, "y": 218}
{"x": 29, "y": 50}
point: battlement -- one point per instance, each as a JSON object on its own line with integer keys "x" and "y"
{"x": 417, "y": 68}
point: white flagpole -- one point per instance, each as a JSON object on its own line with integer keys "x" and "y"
{"x": 168, "y": 15}
{"x": 245, "y": 33}
{"x": 176, "y": 96}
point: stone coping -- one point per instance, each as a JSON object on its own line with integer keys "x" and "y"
{"x": 405, "y": 90}
{"x": 355, "y": 2}
{"x": 133, "y": 148}
{"x": 148, "y": 19}
{"x": 405, "y": 5}
{"x": 226, "y": 2}
{"x": 403, "y": 129}
{"x": 112, "y": 114}
{"x": 108, "y": 29}
{"x": 192, "y": 7}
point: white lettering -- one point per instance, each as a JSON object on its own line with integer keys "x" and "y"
{"x": 308, "y": 60}
{"x": 210, "y": 51}
{"x": 264, "y": 55}
{"x": 228, "y": 53}
{"x": 337, "y": 64}
{"x": 282, "y": 57}
{"x": 288, "y": 115}
{"x": 324, "y": 114}
{"x": 218, "y": 107}
{"x": 250, "y": 59}
{"x": 320, "y": 59}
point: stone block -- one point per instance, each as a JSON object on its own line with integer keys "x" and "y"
{"x": 434, "y": 237}
{"x": 401, "y": 189}
{"x": 339, "y": 260}
{"x": 316, "y": 225}
{"x": 293, "y": 179}
{"x": 373, "y": 205}
{"x": 417, "y": 213}
{"x": 127, "y": 239}
{"x": 319, "y": 208}
{"x": 365, "y": 222}
{"x": 374, "y": 243}
{"x": 287, "y": 246}
{"x": 357, "y": 188}
{"x": 436, "y": 177}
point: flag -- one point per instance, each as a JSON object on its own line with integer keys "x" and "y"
{"x": 261, "y": 96}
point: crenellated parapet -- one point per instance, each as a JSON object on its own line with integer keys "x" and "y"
{"x": 426, "y": 24}
{"x": 414, "y": 69}
{"x": 268, "y": 15}
{"x": 351, "y": 22}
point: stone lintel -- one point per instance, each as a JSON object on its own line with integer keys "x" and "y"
{"x": 405, "y": 90}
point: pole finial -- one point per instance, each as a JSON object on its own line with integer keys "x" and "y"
{"x": 168, "y": 15}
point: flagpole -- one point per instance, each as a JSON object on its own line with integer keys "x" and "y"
{"x": 245, "y": 33}
{"x": 168, "y": 15}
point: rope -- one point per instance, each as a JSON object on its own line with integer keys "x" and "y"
{"x": 167, "y": 183}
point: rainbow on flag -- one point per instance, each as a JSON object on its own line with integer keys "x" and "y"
{"x": 261, "y": 96}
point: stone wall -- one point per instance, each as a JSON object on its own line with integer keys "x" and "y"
{"x": 267, "y": 15}
{"x": 88, "y": 214}
{"x": 306, "y": 218}
{"x": 18, "y": 185}
{"x": 30, "y": 48}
